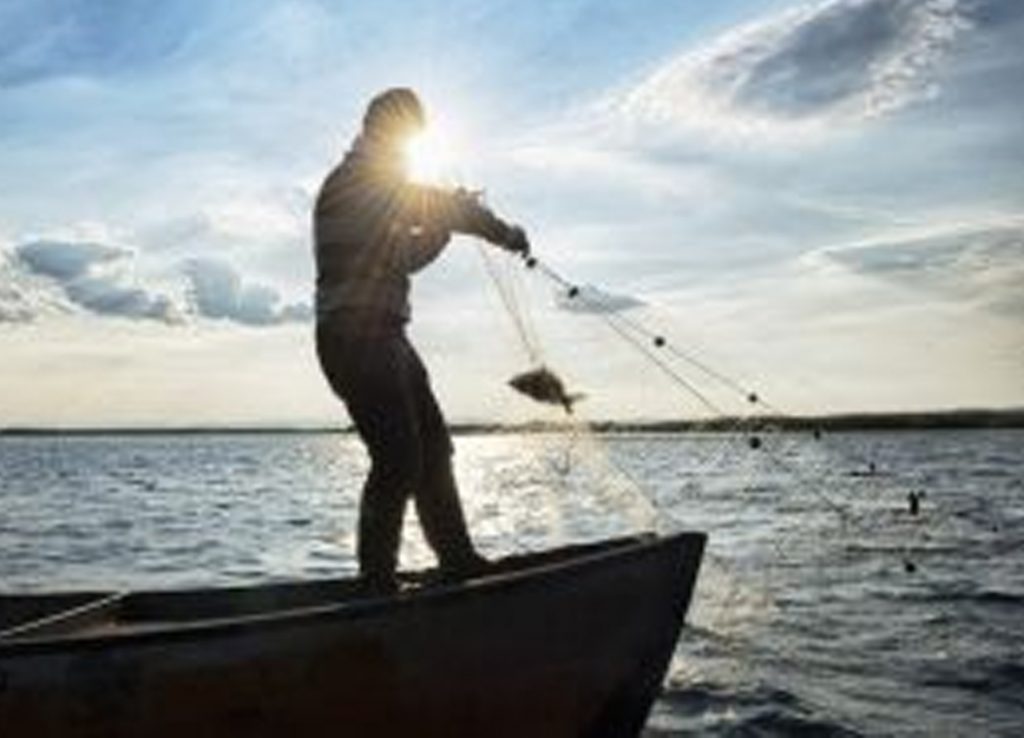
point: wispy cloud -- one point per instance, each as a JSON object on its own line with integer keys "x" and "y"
{"x": 40, "y": 40}
{"x": 809, "y": 69}
{"x": 981, "y": 264}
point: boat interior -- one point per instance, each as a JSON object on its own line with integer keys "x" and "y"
{"x": 33, "y": 617}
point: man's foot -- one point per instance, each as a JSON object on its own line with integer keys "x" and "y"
{"x": 378, "y": 585}
{"x": 465, "y": 567}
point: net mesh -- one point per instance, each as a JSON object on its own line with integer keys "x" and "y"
{"x": 753, "y": 450}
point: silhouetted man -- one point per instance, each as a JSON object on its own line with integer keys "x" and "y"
{"x": 372, "y": 229}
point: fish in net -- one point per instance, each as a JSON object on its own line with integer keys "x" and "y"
{"x": 543, "y": 385}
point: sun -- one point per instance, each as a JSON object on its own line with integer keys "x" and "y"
{"x": 431, "y": 156}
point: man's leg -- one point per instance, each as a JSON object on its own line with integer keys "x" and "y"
{"x": 374, "y": 380}
{"x": 381, "y": 512}
{"x": 437, "y": 496}
{"x": 440, "y": 512}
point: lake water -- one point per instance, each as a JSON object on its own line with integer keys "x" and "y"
{"x": 824, "y": 607}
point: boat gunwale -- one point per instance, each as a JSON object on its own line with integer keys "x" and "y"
{"x": 96, "y": 605}
{"x": 356, "y": 609}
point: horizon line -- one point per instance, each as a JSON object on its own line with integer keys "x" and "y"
{"x": 855, "y": 420}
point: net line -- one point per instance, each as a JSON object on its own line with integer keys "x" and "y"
{"x": 735, "y": 590}
{"x": 646, "y": 341}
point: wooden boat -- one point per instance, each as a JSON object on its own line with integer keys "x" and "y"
{"x": 569, "y": 642}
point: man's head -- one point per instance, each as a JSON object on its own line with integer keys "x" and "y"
{"x": 394, "y": 115}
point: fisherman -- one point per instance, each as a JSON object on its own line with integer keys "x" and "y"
{"x": 373, "y": 228}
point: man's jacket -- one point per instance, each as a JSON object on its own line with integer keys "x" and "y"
{"x": 373, "y": 228}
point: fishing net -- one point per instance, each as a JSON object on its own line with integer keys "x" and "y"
{"x": 827, "y": 493}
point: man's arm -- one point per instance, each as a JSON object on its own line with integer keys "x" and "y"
{"x": 462, "y": 212}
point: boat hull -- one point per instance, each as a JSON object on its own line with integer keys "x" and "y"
{"x": 576, "y": 646}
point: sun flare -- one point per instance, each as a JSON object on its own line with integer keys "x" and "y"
{"x": 431, "y": 157}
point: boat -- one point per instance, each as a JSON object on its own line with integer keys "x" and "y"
{"x": 573, "y": 641}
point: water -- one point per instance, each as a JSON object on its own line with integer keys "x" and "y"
{"x": 806, "y": 620}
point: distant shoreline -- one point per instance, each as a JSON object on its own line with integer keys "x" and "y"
{"x": 894, "y": 421}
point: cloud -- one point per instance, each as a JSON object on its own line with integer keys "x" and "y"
{"x": 983, "y": 265}
{"x": 839, "y": 62}
{"x": 92, "y": 276}
{"x": 218, "y": 291}
{"x": 264, "y": 214}
{"x": 591, "y": 299}
{"x": 66, "y": 260}
{"x": 106, "y": 294}
{"x": 15, "y": 302}
{"x": 54, "y": 276}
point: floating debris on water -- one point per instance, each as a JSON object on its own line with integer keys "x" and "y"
{"x": 914, "y": 503}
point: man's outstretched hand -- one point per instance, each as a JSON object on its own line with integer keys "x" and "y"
{"x": 517, "y": 242}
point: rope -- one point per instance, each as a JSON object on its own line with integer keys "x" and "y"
{"x": 573, "y": 292}
{"x": 675, "y": 376}
{"x": 521, "y": 322}
{"x": 648, "y": 343}
{"x": 786, "y": 456}
{"x": 633, "y": 332}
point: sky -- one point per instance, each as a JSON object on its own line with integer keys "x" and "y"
{"x": 821, "y": 201}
